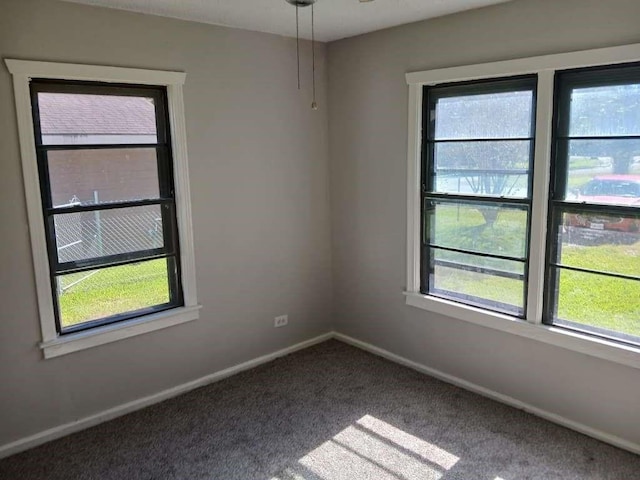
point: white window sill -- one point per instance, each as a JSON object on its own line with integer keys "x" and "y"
{"x": 607, "y": 350}
{"x": 118, "y": 331}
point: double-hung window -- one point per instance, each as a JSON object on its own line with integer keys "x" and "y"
{"x": 106, "y": 183}
{"x": 594, "y": 240}
{"x": 477, "y": 158}
{"x": 524, "y": 198}
{"x": 105, "y": 172}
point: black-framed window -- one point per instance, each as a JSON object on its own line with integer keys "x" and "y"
{"x": 476, "y": 177}
{"x": 593, "y": 252}
{"x": 106, "y": 179}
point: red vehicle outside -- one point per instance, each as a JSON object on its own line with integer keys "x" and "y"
{"x": 610, "y": 190}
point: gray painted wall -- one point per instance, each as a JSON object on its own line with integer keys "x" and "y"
{"x": 368, "y": 144}
{"x": 260, "y": 167}
{"x": 259, "y": 184}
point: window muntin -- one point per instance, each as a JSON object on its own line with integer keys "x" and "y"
{"x": 108, "y": 202}
{"x": 476, "y": 189}
{"x": 593, "y": 273}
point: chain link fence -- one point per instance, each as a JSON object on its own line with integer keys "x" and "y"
{"x": 85, "y": 235}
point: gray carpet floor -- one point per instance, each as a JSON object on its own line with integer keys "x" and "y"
{"x": 330, "y": 412}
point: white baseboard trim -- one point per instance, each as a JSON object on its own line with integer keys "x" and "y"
{"x": 92, "y": 420}
{"x": 499, "y": 397}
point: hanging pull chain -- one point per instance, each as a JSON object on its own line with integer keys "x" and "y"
{"x": 298, "y": 45}
{"x": 314, "y": 105}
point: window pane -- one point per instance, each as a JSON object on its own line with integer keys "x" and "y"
{"x": 599, "y": 301}
{"x": 491, "y": 115}
{"x": 490, "y": 283}
{"x": 478, "y": 263}
{"x": 100, "y": 233}
{"x": 97, "y": 294}
{"x": 604, "y": 171}
{"x": 609, "y": 243}
{"x": 80, "y": 119}
{"x": 102, "y": 175}
{"x": 605, "y": 111}
{"x": 498, "y": 168}
{"x": 496, "y": 229}
{"x": 601, "y": 172}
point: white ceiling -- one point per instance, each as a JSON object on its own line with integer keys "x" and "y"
{"x": 334, "y": 19}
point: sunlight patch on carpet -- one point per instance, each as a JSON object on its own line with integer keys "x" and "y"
{"x": 371, "y": 448}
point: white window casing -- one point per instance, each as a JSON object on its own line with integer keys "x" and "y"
{"x": 544, "y": 67}
{"x": 52, "y": 343}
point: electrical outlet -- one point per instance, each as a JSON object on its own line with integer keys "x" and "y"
{"x": 281, "y": 321}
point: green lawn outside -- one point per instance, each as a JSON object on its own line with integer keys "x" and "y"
{"x": 114, "y": 290}
{"x": 598, "y": 301}
{"x": 585, "y": 162}
{"x": 465, "y": 228}
{"x": 498, "y": 289}
{"x": 585, "y": 298}
{"x": 611, "y": 303}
